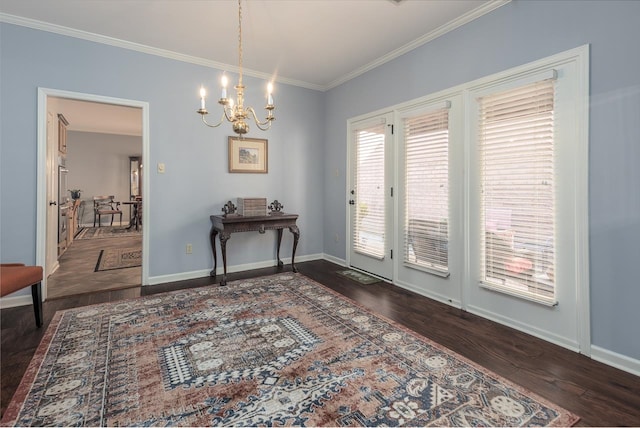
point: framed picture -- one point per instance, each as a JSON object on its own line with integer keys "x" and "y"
{"x": 248, "y": 155}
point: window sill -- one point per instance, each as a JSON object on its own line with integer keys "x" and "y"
{"x": 551, "y": 302}
{"x": 433, "y": 271}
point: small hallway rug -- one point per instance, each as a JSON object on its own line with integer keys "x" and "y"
{"x": 107, "y": 232}
{"x": 357, "y": 276}
{"x": 280, "y": 350}
{"x": 119, "y": 258}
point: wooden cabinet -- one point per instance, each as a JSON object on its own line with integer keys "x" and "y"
{"x": 62, "y": 134}
{"x": 72, "y": 218}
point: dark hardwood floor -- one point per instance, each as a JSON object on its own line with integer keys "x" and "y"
{"x": 599, "y": 394}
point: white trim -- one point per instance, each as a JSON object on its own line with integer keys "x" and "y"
{"x": 333, "y": 259}
{"x": 111, "y": 41}
{"x": 429, "y": 294}
{"x": 450, "y": 26}
{"x": 41, "y": 172}
{"x": 98, "y": 38}
{"x": 532, "y": 70}
{"x": 580, "y": 208}
{"x": 14, "y": 301}
{"x": 581, "y": 215}
{"x": 613, "y": 359}
{"x": 162, "y": 279}
{"x": 539, "y": 333}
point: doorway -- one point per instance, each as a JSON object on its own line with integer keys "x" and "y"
{"x": 50, "y": 156}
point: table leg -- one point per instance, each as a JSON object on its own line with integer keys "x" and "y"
{"x": 132, "y": 215}
{"x": 296, "y": 236}
{"x": 212, "y": 239}
{"x": 224, "y": 237}
{"x": 280, "y": 264}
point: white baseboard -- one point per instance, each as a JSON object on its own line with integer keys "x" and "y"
{"x": 333, "y": 259}
{"x": 613, "y": 359}
{"x": 539, "y": 333}
{"x": 13, "y": 301}
{"x": 161, "y": 279}
{"x": 434, "y": 296}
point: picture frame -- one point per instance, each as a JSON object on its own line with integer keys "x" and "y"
{"x": 248, "y": 155}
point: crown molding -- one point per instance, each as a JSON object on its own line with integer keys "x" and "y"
{"x": 98, "y": 38}
{"x": 450, "y": 26}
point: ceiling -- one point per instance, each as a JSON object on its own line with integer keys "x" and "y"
{"x": 317, "y": 44}
{"x": 86, "y": 116}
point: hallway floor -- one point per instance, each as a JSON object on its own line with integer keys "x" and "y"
{"x": 76, "y": 274}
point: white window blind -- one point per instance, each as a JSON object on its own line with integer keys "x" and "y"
{"x": 369, "y": 219}
{"x": 426, "y": 228}
{"x": 516, "y": 148}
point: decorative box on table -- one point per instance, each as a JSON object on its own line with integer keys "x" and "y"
{"x": 250, "y": 207}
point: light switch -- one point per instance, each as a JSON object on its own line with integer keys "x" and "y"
{"x": 160, "y": 168}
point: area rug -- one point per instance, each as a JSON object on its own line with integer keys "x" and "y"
{"x": 107, "y": 232}
{"x": 360, "y": 277}
{"x": 119, "y": 258}
{"x": 271, "y": 351}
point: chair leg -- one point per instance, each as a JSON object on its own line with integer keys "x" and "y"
{"x": 36, "y": 294}
{"x": 111, "y": 224}
{"x": 94, "y": 220}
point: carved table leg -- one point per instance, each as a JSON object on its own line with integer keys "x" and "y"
{"x": 296, "y": 236}
{"x": 280, "y": 264}
{"x": 224, "y": 237}
{"x": 212, "y": 238}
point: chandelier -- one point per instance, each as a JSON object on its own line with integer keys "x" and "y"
{"x": 236, "y": 112}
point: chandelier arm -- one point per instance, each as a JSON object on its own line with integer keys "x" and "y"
{"x": 260, "y": 125}
{"x": 216, "y": 125}
{"x": 227, "y": 112}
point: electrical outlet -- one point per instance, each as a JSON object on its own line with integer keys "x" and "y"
{"x": 189, "y": 248}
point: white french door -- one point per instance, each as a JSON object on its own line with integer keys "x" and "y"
{"x": 370, "y": 195}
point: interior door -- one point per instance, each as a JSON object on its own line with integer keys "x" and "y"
{"x": 51, "y": 253}
{"x": 370, "y": 195}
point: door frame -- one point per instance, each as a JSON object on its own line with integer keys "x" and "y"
{"x": 580, "y": 228}
{"x": 42, "y": 173}
{"x": 388, "y": 116}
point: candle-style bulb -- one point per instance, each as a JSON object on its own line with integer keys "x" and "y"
{"x": 203, "y": 94}
{"x": 224, "y": 82}
{"x": 269, "y": 94}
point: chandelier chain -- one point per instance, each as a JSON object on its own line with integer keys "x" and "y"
{"x": 236, "y": 112}
{"x": 240, "y": 41}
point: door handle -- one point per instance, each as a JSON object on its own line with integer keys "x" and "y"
{"x": 53, "y": 203}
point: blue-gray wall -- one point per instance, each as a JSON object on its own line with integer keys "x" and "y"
{"x": 515, "y": 34}
{"x": 311, "y": 127}
{"x": 196, "y": 183}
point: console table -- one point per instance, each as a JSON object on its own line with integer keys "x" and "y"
{"x": 225, "y": 226}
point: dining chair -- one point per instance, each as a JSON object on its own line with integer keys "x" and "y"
{"x": 105, "y": 205}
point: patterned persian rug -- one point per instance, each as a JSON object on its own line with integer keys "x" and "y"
{"x": 271, "y": 351}
{"x": 107, "y": 232}
{"x": 119, "y": 258}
